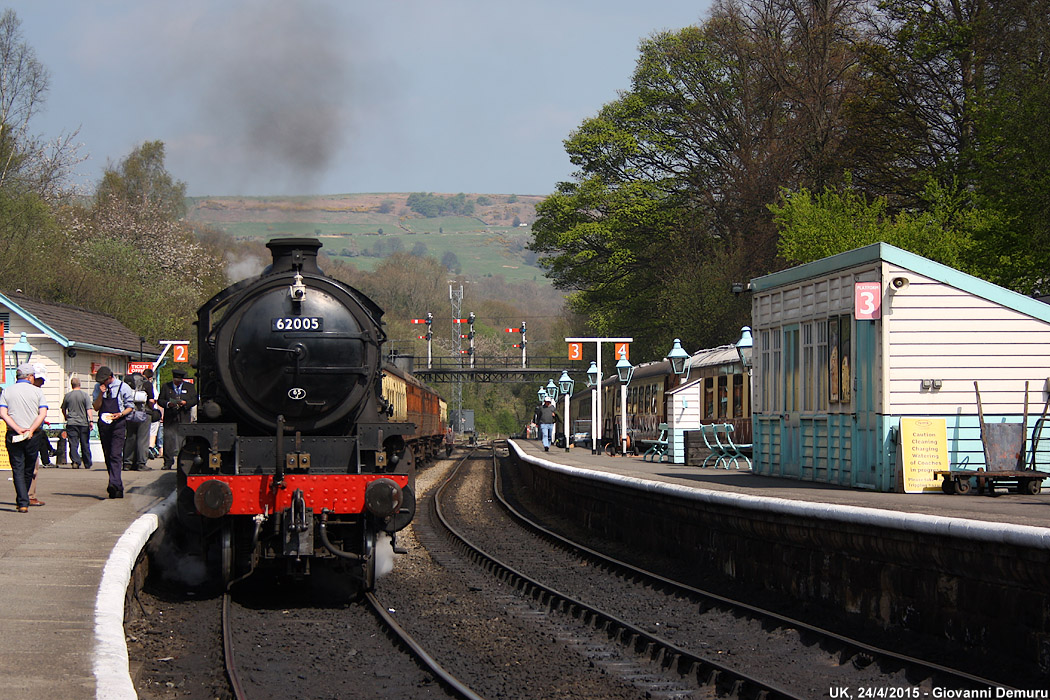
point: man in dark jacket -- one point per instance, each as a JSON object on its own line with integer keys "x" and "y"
{"x": 546, "y": 417}
{"x": 177, "y": 398}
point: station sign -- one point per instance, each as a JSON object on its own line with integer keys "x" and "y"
{"x": 867, "y": 301}
{"x": 624, "y": 348}
{"x": 575, "y": 351}
{"x": 180, "y": 353}
{"x": 139, "y": 367}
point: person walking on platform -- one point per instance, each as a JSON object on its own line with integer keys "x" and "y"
{"x": 546, "y": 417}
{"x": 23, "y": 408}
{"x": 113, "y": 400}
{"x": 178, "y": 397}
{"x": 76, "y": 407}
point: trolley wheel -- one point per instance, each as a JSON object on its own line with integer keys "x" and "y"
{"x": 948, "y": 486}
{"x": 1031, "y": 486}
{"x": 962, "y": 485}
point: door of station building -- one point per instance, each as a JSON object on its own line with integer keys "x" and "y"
{"x": 865, "y": 449}
{"x": 791, "y": 423}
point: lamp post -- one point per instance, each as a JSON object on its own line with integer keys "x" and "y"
{"x": 624, "y": 370}
{"x": 592, "y": 382}
{"x": 744, "y": 348}
{"x": 565, "y": 384}
{"x": 677, "y": 357}
{"x": 22, "y": 351}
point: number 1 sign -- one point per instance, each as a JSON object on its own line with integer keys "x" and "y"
{"x": 867, "y": 301}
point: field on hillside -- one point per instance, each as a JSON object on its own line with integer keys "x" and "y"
{"x": 362, "y": 229}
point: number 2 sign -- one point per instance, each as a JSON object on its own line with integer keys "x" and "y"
{"x": 180, "y": 353}
{"x": 867, "y": 301}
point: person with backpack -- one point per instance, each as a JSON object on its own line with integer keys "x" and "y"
{"x": 136, "y": 439}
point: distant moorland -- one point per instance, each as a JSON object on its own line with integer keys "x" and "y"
{"x": 477, "y": 234}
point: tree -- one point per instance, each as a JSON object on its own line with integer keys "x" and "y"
{"x": 26, "y": 162}
{"x": 834, "y": 221}
{"x": 450, "y": 261}
{"x": 142, "y": 180}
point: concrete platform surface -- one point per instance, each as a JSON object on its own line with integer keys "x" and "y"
{"x": 51, "y": 565}
{"x": 1003, "y": 508}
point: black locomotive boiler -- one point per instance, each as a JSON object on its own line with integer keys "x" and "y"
{"x": 294, "y": 458}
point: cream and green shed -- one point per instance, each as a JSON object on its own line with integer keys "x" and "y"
{"x": 848, "y": 345}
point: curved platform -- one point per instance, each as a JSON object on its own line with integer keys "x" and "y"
{"x": 60, "y": 625}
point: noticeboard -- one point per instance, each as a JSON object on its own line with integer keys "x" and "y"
{"x": 924, "y": 450}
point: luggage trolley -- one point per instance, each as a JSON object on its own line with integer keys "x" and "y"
{"x": 1005, "y": 445}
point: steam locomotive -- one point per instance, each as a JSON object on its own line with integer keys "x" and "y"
{"x": 296, "y": 457}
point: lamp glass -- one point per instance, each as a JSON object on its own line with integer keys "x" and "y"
{"x": 592, "y": 374}
{"x": 552, "y": 390}
{"x": 22, "y": 350}
{"x": 565, "y": 383}
{"x": 624, "y": 369}
{"x": 744, "y": 347}
{"x": 677, "y": 357}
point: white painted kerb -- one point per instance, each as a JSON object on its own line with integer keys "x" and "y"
{"x": 998, "y": 533}
{"x": 112, "y": 671}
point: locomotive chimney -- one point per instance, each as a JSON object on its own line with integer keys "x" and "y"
{"x": 289, "y": 253}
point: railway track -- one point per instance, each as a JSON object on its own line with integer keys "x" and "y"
{"x": 851, "y": 664}
{"x": 257, "y": 682}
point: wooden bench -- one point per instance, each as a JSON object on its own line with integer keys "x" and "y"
{"x": 719, "y": 439}
{"x": 657, "y": 447}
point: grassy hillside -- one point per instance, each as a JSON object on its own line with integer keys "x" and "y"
{"x": 361, "y": 229}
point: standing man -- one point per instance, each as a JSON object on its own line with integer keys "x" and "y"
{"x": 113, "y": 400}
{"x": 44, "y": 449}
{"x": 75, "y": 409}
{"x": 178, "y": 397}
{"x": 546, "y": 416}
{"x": 23, "y": 408}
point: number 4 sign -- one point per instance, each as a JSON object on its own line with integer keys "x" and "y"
{"x": 867, "y": 301}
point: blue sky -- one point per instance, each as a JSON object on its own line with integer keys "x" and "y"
{"x": 320, "y": 96}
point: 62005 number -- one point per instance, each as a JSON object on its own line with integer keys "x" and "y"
{"x": 298, "y": 323}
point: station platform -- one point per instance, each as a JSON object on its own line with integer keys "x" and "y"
{"x": 1001, "y": 508}
{"x": 52, "y": 563}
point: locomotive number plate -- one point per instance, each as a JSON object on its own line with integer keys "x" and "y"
{"x": 298, "y": 323}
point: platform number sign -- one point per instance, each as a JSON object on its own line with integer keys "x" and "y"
{"x": 624, "y": 348}
{"x": 867, "y": 301}
{"x": 180, "y": 353}
{"x": 575, "y": 351}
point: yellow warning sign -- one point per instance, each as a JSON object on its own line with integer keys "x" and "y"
{"x": 5, "y": 461}
{"x": 924, "y": 450}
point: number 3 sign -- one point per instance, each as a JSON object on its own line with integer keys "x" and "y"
{"x": 867, "y": 301}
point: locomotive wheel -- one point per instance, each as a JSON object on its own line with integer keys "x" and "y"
{"x": 368, "y": 561}
{"x": 962, "y": 485}
{"x": 226, "y": 555}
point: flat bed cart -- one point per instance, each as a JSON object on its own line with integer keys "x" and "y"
{"x": 1004, "y": 445}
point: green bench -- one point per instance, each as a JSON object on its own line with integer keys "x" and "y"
{"x": 727, "y": 454}
{"x": 657, "y": 447}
